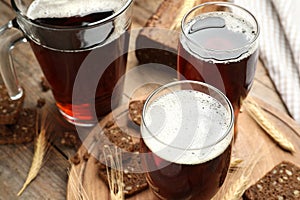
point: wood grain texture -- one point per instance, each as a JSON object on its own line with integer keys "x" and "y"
{"x": 7, "y": 2}
{"x": 264, "y": 88}
{"x": 14, "y": 165}
{"x": 143, "y": 9}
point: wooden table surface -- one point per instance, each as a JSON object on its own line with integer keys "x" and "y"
{"x": 15, "y": 160}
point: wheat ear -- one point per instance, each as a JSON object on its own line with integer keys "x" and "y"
{"x": 113, "y": 158}
{"x": 234, "y": 163}
{"x": 41, "y": 147}
{"x": 238, "y": 188}
{"x": 257, "y": 114}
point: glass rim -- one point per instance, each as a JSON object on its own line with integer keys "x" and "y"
{"x": 228, "y": 131}
{"x": 225, "y": 4}
{"x": 70, "y": 28}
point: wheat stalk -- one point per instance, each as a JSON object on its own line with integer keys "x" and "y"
{"x": 235, "y": 162}
{"x": 78, "y": 190}
{"x": 113, "y": 158}
{"x": 41, "y": 147}
{"x": 238, "y": 188}
{"x": 257, "y": 114}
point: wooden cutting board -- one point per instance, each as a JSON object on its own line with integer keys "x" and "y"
{"x": 251, "y": 142}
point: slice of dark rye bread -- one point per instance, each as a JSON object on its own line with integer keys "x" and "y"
{"x": 9, "y": 109}
{"x": 133, "y": 182}
{"x": 135, "y": 111}
{"x": 282, "y": 182}
{"x": 21, "y": 132}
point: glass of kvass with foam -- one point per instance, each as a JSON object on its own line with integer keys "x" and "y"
{"x": 186, "y": 140}
{"x": 219, "y": 45}
{"x": 81, "y": 47}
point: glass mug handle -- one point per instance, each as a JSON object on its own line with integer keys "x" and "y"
{"x": 9, "y": 38}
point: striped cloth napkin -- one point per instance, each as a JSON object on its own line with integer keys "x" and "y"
{"x": 280, "y": 46}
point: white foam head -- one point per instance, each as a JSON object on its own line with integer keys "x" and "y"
{"x": 66, "y": 8}
{"x": 233, "y": 23}
{"x": 70, "y": 8}
{"x": 187, "y": 127}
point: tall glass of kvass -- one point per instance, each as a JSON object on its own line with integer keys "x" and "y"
{"x": 219, "y": 46}
{"x": 186, "y": 140}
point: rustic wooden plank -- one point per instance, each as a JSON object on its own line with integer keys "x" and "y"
{"x": 148, "y": 6}
{"x": 7, "y": 2}
{"x": 15, "y": 162}
{"x": 142, "y": 10}
{"x": 6, "y": 13}
{"x": 264, "y": 88}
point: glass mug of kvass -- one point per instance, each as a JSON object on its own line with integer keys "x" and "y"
{"x": 66, "y": 37}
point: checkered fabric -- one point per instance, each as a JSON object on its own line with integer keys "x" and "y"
{"x": 280, "y": 46}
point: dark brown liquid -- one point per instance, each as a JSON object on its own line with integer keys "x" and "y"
{"x": 179, "y": 181}
{"x": 74, "y": 21}
{"x": 61, "y": 67}
{"x": 226, "y": 71}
